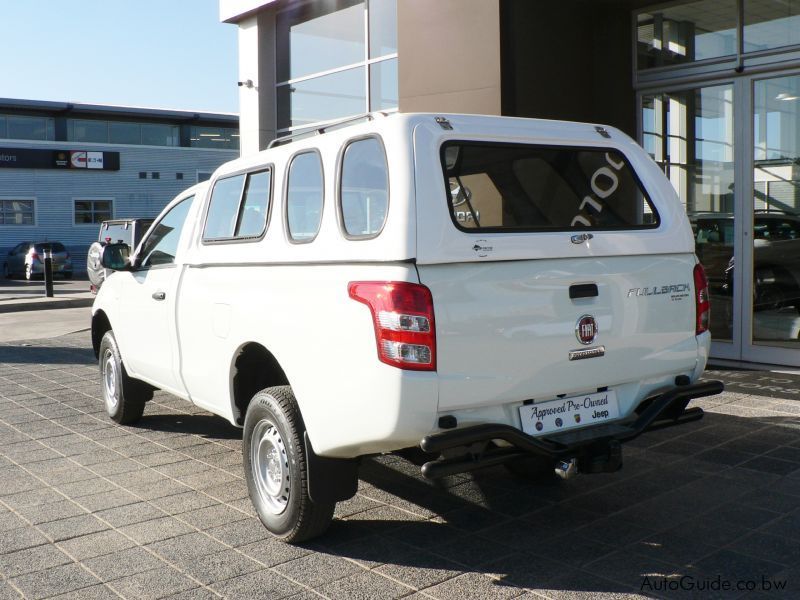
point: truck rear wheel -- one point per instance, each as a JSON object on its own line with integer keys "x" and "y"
{"x": 123, "y": 395}
{"x": 276, "y": 468}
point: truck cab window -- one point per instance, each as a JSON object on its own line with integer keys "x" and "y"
{"x": 161, "y": 246}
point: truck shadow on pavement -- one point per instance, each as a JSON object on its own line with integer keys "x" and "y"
{"x": 29, "y": 353}
{"x": 715, "y": 500}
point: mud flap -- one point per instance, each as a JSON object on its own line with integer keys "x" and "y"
{"x": 330, "y": 479}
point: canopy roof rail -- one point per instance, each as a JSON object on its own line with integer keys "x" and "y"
{"x": 370, "y": 116}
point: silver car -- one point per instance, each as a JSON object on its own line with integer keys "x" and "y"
{"x": 27, "y": 260}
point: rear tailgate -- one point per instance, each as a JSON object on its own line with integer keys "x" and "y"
{"x": 502, "y": 262}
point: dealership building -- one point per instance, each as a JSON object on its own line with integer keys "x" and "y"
{"x": 710, "y": 88}
{"x": 65, "y": 167}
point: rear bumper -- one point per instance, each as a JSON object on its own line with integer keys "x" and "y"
{"x": 597, "y": 448}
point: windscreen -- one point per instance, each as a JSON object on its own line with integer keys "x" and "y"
{"x": 117, "y": 233}
{"x": 515, "y": 187}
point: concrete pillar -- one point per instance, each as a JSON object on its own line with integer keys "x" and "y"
{"x": 449, "y": 56}
{"x": 257, "y": 111}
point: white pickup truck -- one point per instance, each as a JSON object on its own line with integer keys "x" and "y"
{"x": 488, "y": 290}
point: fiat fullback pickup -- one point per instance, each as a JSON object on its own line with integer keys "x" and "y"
{"x": 469, "y": 291}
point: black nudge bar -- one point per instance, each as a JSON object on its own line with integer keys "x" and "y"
{"x": 597, "y": 448}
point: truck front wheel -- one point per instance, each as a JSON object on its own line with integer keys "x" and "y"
{"x": 276, "y": 468}
{"x": 123, "y": 395}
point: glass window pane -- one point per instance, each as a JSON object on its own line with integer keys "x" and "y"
{"x": 364, "y": 188}
{"x": 3, "y": 127}
{"x": 322, "y": 99}
{"x": 319, "y": 36}
{"x": 687, "y": 32}
{"x": 224, "y": 208}
{"x": 159, "y": 135}
{"x": 304, "y": 197}
{"x": 771, "y": 24}
{"x": 255, "y": 207}
{"x": 27, "y": 128}
{"x": 382, "y": 27}
{"x": 161, "y": 245}
{"x": 124, "y": 133}
{"x": 515, "y": 187}
{"x": 83, "y": 130}
{"x": 214, "y": 137}
{"x": 383, "y": 85}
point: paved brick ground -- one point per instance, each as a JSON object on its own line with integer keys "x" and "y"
{"x": 92, "y": 510}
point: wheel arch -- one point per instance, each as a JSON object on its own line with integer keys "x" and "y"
{"x": 100, "y": 325}
{"x": 253, "y": 368}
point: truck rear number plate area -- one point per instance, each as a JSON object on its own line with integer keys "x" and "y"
{"x": 567, "y": 413}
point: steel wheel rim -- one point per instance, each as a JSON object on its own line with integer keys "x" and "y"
{"x": 110, "y": 380}
{"x": 270, "y": 464}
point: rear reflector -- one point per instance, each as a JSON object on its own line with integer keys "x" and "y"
{"x": 402, "y": 314}
{"x": 701, "y": 300}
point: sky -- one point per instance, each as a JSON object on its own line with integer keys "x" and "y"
{"x": 151, "y": 53}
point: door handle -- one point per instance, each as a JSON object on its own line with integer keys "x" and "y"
{"x": 159, "y": 295}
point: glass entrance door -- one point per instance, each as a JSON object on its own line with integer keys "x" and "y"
{"x": 775, "y": 245}
{"x": 690, "y": 134}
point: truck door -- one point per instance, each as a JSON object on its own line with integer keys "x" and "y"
{"x": 148, "y": 336}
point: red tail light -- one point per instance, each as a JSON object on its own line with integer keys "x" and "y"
{"x": 701, "y": 301}
{"x": 402, "y": 314}
{"x": 34, "y": 256}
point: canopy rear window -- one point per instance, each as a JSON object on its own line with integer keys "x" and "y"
{"x": 497, "y": 187}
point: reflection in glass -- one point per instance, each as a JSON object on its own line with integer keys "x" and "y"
{"x": 160, "y": 135}
{"x": 214, "y": 137}
{"x": 224, "y": 208}
{"x": 318, "y": 37}
{"x": 383, "y": 85}
{"x": 29, "y": 128}
{"x": 304, "y": 197}
{"x": 322, "y": 98}
{"x": 3, "y": 133}
{"x": 776, "y": 216}
{"x": 690, "y": 135}
{"x": 84, "y": 130}
{"x": 687, "y": 32}
{"x": 364, "y": 192}
{"x": 382, "y": 27}
{"x": 16, "y": 212}
{"x": 255, "y": 206}
{"x": 771, "y": 24}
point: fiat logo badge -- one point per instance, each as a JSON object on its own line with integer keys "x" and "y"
{"x": 586, "y": 330}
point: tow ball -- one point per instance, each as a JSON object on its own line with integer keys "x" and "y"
{"x": 567, "y": 469}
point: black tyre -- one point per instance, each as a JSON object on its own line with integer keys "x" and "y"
{"x": 6, "y": 272}
{"x": 67, "y": 275}
{"x": 276, "y": 470}
{"x": 123, "y": 395}
{"x": 534, "y": 468}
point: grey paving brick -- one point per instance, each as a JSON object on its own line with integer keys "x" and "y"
{"x": 364, "y": 586}
{"x": 317, "y": 569}
{"x": 123, "y": 563}
{"x": 129, "y": 514}
{"x": 256, "y": 586}
{"x": 213, "y": 516}
{"x": 95, "y": 544}
{"x": 156, "y": 583}
{"x": 183, "y": 502}
{"x": 471, "y": 586}
{"x": 72, "y": 527}
{"x": 95, "y": 592}
{"x": 58, "y": 580}
{"x": 33, "y": 559}
{"x": 106, "y": 500}
{"x": 87, "y": 487}
{"x": 155, "y": 530}
{"x": 52, "y": 511}
{"x": 20, "y": 538}
{"x": 271, "y": 552}
{"x": 7, "y": 592}
{"x": 219, "y": 566}
{"x": 240, "y": 533}
{"x": 9, "y": 520}
{"x": 187, "y": 547}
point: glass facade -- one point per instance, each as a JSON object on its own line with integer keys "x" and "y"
{"x": 20, "y": 127}
{"x": 771, "y": 24}
{"x": 335, "y": 59}
{"x": 214, "y": 137}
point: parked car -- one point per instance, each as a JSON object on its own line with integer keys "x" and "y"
{"x": 115, "y": 231}
{"x": 26, "y": 259}
{"x": 776, "y": 256}
{"x": 484, "y": 290}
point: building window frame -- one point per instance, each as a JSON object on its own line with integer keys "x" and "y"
{"x": 365, "y": 64}
{"x": 34, "y": 212}
{"x": 94, "y": 211}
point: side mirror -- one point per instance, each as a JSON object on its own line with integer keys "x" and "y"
{"x": 115, "y": 257}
